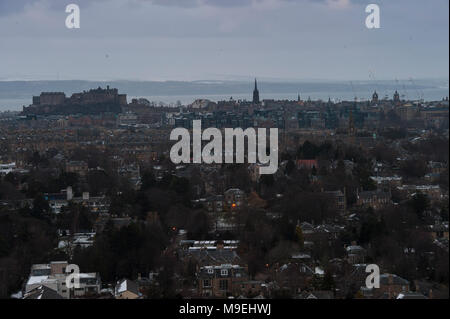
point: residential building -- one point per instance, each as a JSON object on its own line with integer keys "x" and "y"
{"x": 127, "y": 289}
{"x": 221, "y": 280}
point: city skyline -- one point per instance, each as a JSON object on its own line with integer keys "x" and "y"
{"x": 16, "y": 94}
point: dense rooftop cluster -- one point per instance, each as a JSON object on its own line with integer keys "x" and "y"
{"x": 358, "y": 183}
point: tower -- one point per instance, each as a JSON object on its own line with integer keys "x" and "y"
{"x": 396, "y": 97}
{"x": 256, "y": 94}
{"x": 375, "y": 97}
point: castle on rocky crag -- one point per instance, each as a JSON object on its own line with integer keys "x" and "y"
{"x": 94, "y": 101}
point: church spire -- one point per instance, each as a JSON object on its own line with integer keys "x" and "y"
{"x": 256, "y": 94}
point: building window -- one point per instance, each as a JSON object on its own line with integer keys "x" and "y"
{"x": 206, "y": 283}
{"x": 224, "y": 272}
{"x": 223, "y": 284}
{"x": 210, "y": 271}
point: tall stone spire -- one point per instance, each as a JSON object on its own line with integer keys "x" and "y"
{"x": 256, "y": 94}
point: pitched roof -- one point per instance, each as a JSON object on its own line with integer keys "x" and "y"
{"x": 127, "y": 285}
{"x": 42, "y": 292}
{"x": 214, "y": 256}
{"x": 320, "y": 294}
{"x": 396, "y": 280}
{"x": 411, "y": 295}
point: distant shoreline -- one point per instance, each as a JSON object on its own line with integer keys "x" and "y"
{"x": 15, "y": 94}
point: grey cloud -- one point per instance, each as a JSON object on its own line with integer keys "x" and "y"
{"x": 232, "y": 3}
{"x": 195, "y": 3}
{"x": 15, "y": 6}
{"x": 8, "y": 7}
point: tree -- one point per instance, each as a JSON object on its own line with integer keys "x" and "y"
{"x": 40, "y": 206}
{"x": 420, "y": 203}
{"x": 99, "y": 182}
{"x": 290, "y": 167}
{"x": 148, "y": 180}
{"x": 414, "y": 168}
{"x": 75, "y": 217}
{"x": 180, "y": 185}
{"x": 267, "y": 180}
{"x": 300, "y": 237}
{"x": 308, "y": 150}
{"x": 124, "y": 252}
{"x": 328, "y": 281}
{"x": 198, "y": 226}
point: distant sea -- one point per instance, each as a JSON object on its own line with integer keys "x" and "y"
{"x": 15, "y": 94}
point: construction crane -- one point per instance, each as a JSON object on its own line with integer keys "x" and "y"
{"x": 419, "y": 94}
{"x": 405, "y": 94}
{"x": 372, "y": 77}
{"x": 353, "y": 90}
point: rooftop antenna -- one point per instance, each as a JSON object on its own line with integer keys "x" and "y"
{"x": 405, "y": 94}
{"x": 405, "y": 90}
{"x": 419, "y": 94}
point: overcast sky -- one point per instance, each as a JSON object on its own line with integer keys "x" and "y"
{"x": 223, "y": 39}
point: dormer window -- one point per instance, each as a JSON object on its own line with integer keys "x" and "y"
{"x": 224, "y": 272}
{"x": 210, "y": 271}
